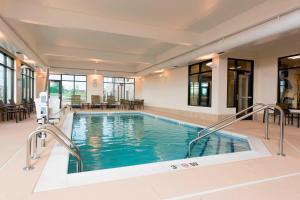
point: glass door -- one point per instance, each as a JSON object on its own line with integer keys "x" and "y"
{"x": 55, "y": 90}
{"x": 244, "y": 92}
{"x": 240, "y": 84}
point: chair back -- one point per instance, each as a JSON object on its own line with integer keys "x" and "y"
{"x": 111, "y": 99}
{"x": 75, "y": 99}
{"x": 95, "y": 99}
{"x": 283, "y": 106}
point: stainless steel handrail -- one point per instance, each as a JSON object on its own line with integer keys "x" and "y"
{"x": 61, "y": 110}
{"x": 60, "y": 133}
{"x": 229, "y": 117}
{"x": 61, "y": 141}
{"x": 266, "y": 107}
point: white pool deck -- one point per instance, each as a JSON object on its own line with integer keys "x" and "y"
{"x": 270, "y": 177}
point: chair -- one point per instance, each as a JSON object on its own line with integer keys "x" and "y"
{"x": 13, "y": 110}
{"x": 139, "y": 103}
{"x": 111, "y": 102}
{"x": 124, "y": 104}
{"x": 75, "y": 101}
{"x": 3, "y": 110}
{"x": 285, "y": 108}
{"x": 96, "y": 101}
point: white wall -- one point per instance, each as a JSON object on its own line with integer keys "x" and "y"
{"x": 170, "y": 89}
{"x": 94, "y": 86}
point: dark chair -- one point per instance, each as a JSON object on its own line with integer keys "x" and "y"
{"x": 3, "y": 110}
{"x": 124, "y": 104}
{"x": 95, "y": 101}
{"x": 13, "y": 110}
{"x": 285, "y": 108}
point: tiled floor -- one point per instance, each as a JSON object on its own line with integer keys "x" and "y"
{"x": 271, "y": 177}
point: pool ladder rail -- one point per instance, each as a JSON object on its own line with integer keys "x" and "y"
{"x": 59, "y": 136}
{"x": 213, "y": 128}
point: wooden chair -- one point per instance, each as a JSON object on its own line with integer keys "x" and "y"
{"x": 124, "y": 104}
{"x": 3, "y": 110}
{"x": 111, "y": 102}
{"x": 95, "y": 101}
{"x": 75, "y": 101}
{"x": 285, "y": 108}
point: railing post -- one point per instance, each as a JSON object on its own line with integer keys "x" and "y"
{"x": 266, "y": 117}
{"x": 281, "y": 133}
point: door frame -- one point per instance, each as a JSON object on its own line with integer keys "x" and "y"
{"x": 236, "y": 82}
{"x": 59, "y": 90}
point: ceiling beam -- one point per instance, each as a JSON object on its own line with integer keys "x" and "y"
{"x": 47, "y": 16}
{"x": 92, "y": 54}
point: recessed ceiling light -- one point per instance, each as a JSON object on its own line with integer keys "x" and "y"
{"x": 209, "y": 64}
{"x": 294, "y": 57}
{"x": 159, "y": 71}
{"x": 208, "y": 56}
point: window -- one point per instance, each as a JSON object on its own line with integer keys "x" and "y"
{"x": 200, "y": 84}
{"x": 120, "y": 88}
{"x": 68, "y": 85}
{"x": 27, "y": 83}
{"x": 289, "y": 81}
{"x": 6, "y": 77}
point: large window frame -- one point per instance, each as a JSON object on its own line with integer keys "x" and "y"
{"x": 8, "y": 82}
{"x": 279, "y": 82}
{"x": 115, "y": 81}
{"x": 203, "y": 89}
{"x": 73, "y": 79}
{"x": 27, "y": 82}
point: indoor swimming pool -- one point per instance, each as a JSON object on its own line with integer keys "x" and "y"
{"x": 113, "y": 140}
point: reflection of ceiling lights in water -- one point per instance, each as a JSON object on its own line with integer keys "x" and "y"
{"x": 294, "y": 57}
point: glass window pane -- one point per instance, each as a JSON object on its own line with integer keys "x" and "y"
{"x": 80, "y": 89}
{"x": 119, "y": 80}
{"x": 194, "y": 90}
{"x": 244, "y": 65}
{"x": 194, "y": 69}
{"x": 54, "y": 77}
{"x": 2, "y": 58}
{"x": 68, "y": 77}
{"x": 108, "y": 79}
{"x": 289, "y": 87}
{"x": 1, "y": 82}
{"x": 230, "y": 89}
{"x": 129, "y": 80}
{"x": 129, "y": 91}
{"x": 205, "y": 89}
{"x": 231, "y": 64}
{"x": 80, "y": 78}
{"x": 9, "y": 62}
{"x": 9, "y": 85}
{"x": 108, "y": 90}
{"x": 206, "y": 66}
{"x": 67, "y": 90}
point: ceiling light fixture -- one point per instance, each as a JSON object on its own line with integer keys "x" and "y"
{"x": 294, "y": 57}
{"x": 208, "y": 56}
{"x": 159, "y": 71}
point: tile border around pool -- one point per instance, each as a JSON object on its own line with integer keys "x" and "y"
{"x": 55, "y": 176}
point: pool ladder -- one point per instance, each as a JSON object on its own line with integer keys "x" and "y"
{"x": 236, "y": 118}
{"x": 59, "y": 136}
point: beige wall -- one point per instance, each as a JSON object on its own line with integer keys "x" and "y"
{"x": 169, "y": 90}
{"x": 94, "y": 86}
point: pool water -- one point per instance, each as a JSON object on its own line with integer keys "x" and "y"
{"x": 125, "y": 139}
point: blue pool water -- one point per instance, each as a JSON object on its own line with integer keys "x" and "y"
{"x": 124, "y": 139}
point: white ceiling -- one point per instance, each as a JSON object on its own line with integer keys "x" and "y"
{"x": 126, "y": 35}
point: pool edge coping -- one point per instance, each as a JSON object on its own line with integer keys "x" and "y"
{"x": 55, "y": 176}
